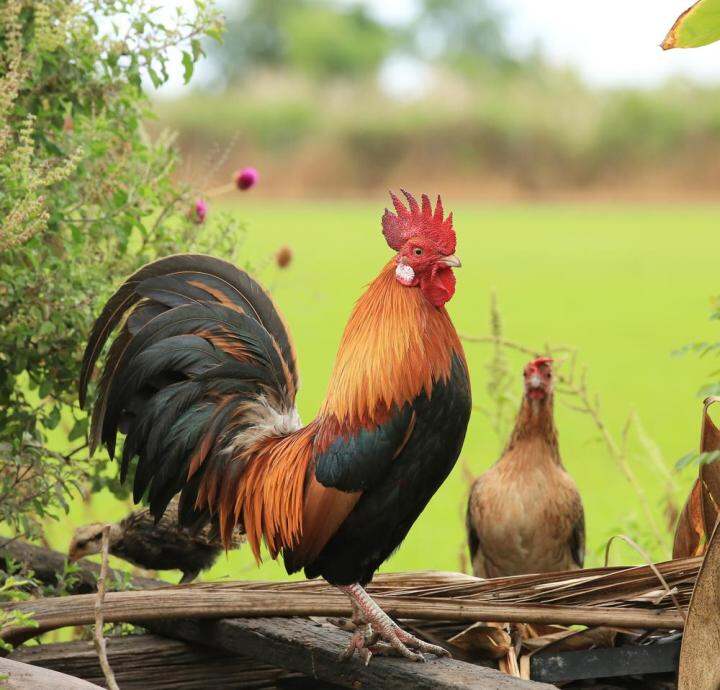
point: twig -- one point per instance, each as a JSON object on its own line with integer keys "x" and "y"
{"x": 98, "y": 636}
{"x": 75, "y": 451}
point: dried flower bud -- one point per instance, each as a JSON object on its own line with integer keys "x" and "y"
{"x": 246, "y": 178}
{"x": 283, "y": 257}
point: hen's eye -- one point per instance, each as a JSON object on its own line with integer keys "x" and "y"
{"x": 417, "y": 251}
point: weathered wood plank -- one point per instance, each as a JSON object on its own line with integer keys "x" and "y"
{"x": 313, "y": 649}
{"x": 151, "y": 662}
{"x": 631, "y": 660}
{"x": 15, "y": 675}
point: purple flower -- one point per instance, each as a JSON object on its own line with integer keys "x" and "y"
{"x": 200, "y": 211}
{"x": 246, "y": 178}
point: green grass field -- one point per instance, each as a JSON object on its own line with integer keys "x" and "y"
{"x": 626, "y": 285}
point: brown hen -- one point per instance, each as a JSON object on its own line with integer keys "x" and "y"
{"x": 525, "y": 514}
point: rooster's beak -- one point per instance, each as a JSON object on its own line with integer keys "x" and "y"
{"x": 451, "y": 261}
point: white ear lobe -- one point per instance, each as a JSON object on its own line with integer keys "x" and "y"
{"x": 405, "y": 274}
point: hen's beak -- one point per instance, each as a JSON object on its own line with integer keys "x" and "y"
{"x": 535, "y": 382}
{"x": 451, "y": 261}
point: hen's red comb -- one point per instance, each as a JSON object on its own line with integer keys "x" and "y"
{"x": 538, "y": 362}
{"x": 415, "y": 221}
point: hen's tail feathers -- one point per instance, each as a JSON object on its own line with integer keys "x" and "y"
{"x": 201, "y": 374}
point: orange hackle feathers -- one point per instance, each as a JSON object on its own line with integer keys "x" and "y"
{"x": 416, "y": 221}
{"x": 395, "y": 346}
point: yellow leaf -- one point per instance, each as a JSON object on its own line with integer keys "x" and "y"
{"x": 697, "y": 26}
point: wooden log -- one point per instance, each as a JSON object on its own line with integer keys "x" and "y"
{"x": 222, "y": 600}
{"x": 18, "y": 676}
{"x": 699, "y": 667}
{"x": 48, "y": 564}
{"x": 151, "y": 662}
{"x": 313, "y": 649}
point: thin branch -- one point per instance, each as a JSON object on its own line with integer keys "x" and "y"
{"x": 98, "y": 637}
{"x": 75, "y": 451}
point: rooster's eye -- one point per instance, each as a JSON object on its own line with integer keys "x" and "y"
{"x": 417, "y": 251}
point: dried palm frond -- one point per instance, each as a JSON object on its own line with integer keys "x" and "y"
{"x": 439, "y": 603}
{"x": 700, "y": 513}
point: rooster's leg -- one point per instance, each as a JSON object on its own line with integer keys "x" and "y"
{"x": 396, "y": 639}
{"x": 362, "y": 636}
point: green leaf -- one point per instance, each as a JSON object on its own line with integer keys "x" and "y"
{"x": 197, "y": 49}
{"x": 686, "y": 460}
{"x": 189, "y": 65}
{"x": 154, "y": 77}
{"x": 698, "y": 26}
{"x": 695, "y": 457}
{"x": 707, "y": 458}
{"x": 216, "y": 33}
{"x": 45, "y": 387}
{"x": 79, "y": 429}
{"x": 53, "y": 419}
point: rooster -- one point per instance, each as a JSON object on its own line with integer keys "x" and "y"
{"x": 154, "y": 545}
{"x": 202, "y": 380}
{"x": 525, "y": 514}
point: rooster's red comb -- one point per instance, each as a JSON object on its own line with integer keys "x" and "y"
{"x": 537, "y": 363}
{"x": 415, "y": 221}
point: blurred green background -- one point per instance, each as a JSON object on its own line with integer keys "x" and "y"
{"x": 588, "y": 209}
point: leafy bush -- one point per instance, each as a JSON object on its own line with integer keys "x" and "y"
{"x": 86, "y": 197}
{"x": 15, "y": 587}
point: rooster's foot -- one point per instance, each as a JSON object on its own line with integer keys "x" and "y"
{"x": 386, "y": 637}
{"x": 362, "y": 636}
